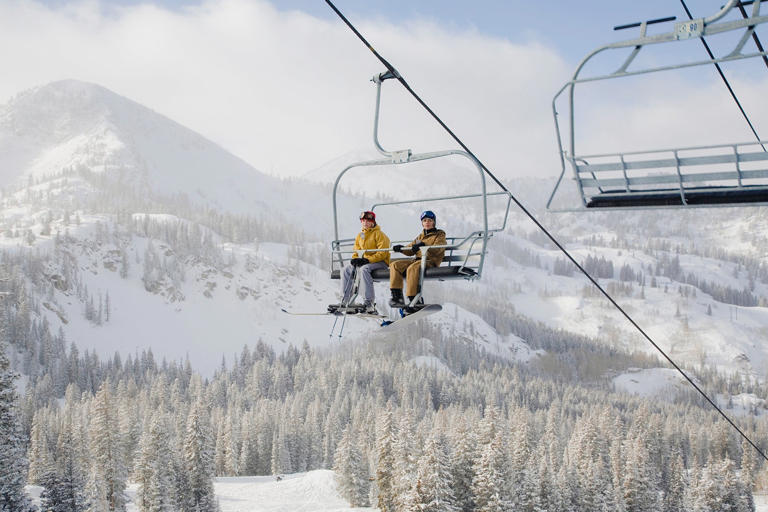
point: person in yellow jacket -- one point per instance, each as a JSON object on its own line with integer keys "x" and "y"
{"x": 371, "y": 253}
{"x": 430, "y": 235}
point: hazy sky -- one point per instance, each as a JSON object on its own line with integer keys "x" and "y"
{"x": 285, "y": 85}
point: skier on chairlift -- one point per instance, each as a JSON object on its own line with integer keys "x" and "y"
{"x": 371, "y": 253}
{"x": 411, "y": 267}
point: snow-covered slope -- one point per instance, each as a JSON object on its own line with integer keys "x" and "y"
{"x": 206, "y": 306}
{"x": 311, "y": 491}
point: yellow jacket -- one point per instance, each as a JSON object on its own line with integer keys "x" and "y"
{"x": 372, "y": 238}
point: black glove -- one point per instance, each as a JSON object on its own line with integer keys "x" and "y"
{"x": 359, "y": 262}
{"x": 397, "y": 248}
{"x": 417, "y": 245}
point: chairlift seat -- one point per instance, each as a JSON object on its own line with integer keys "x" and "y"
{"x": 443, "y": 272}
{"x": 700, "y": 176}
{"x": 697, "y": 196}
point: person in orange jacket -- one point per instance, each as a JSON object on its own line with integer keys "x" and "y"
{"x": 430, "y": 235}
{"x": 371, "y": 253}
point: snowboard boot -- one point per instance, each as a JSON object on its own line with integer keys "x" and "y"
{"x": 397, "y": 300}
{"x": 415, "y": 307}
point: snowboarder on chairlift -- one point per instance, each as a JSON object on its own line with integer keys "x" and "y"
{"x": 430, "y": 235}
{"x": 366, "y": 259}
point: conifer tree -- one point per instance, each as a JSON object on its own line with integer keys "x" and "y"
{"x": 281, "y": 457}
{"x": 198, "y": 458}
{"x": 462, "y": 464}
{"x": 108, "y": 473}
{"x": 434, "y": 487}
{"x": 154, "y": 468}
{"x": 639, "y": 485}
{"x": 491, "y": 482}
{"x": 40, "y": 460}
{"x": 405, "y": 462}
{"x": 385, "y": 463}
{"x": 13, "y": 463}
{"x": 51, "y": 499}
{"x": 351, "y": 474}
{"x": 674, "y": 499}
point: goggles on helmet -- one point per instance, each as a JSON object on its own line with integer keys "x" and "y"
{"x": 367, "y": 215}
{"x": 428, "y": 214}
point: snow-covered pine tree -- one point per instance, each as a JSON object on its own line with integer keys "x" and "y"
{"x": 351, "y": 472}
{"x": 491, "y": 482}
{"x": 220, "y": 452}
{"x": 462, "y": 464}
{"x": 198, "y": 458}
{"x": 108, "y": 472}
{"x": 521, "y": 491}
{"x": 385, "y": 463}
{"x": 154, "y": 468}
{"x": 50, "y": 498}
{"x": 737, "y": 497}
{"x": 707, "y": 490}
{"x": 40, "y": 460}
{"x": 13, "y": 463}
{"x": 281, "y": 456}
{"x": 674, "y": 498}
{"x": 405, "y": 461}
{"x": 434, "y": 486}
{"x": 71, "y": 476}
{"x": 639, "y": 486}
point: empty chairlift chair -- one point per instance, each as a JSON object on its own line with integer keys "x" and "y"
{"x": 715, "y": 175}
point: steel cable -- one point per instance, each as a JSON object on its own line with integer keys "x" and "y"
{"x": 722, "y": 75}
{"x": 562, "y": 249}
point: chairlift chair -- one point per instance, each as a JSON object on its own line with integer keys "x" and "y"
{"x": 674, "y": 177}
{"x": 464, "y": 255}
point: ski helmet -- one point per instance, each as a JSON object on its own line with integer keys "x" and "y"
{"x": 368, "y": 215}
{"x": 428, "y": 214}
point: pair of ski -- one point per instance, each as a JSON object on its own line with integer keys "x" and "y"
{"x": 387, "y": 324}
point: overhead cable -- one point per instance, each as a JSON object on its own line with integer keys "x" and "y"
{"x": 725, "y": 80}
{"x": 549, "y": 235}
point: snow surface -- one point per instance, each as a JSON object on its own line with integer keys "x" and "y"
{"x": 650, "y": 382}
{"x": 301, "y": 492}
{"x": 314, "y": 491}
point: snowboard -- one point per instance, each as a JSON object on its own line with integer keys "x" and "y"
{"x": 392, "y": 325}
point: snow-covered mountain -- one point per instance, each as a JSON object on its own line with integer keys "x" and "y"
{"x": 72, "y": 126}
{"x": 198, "y": 252}
{"x": 127, "y": 211}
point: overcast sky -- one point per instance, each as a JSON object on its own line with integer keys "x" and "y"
{"x": 285, "y": 85}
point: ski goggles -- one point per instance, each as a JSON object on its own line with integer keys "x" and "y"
{"x": 368, "y": 216}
